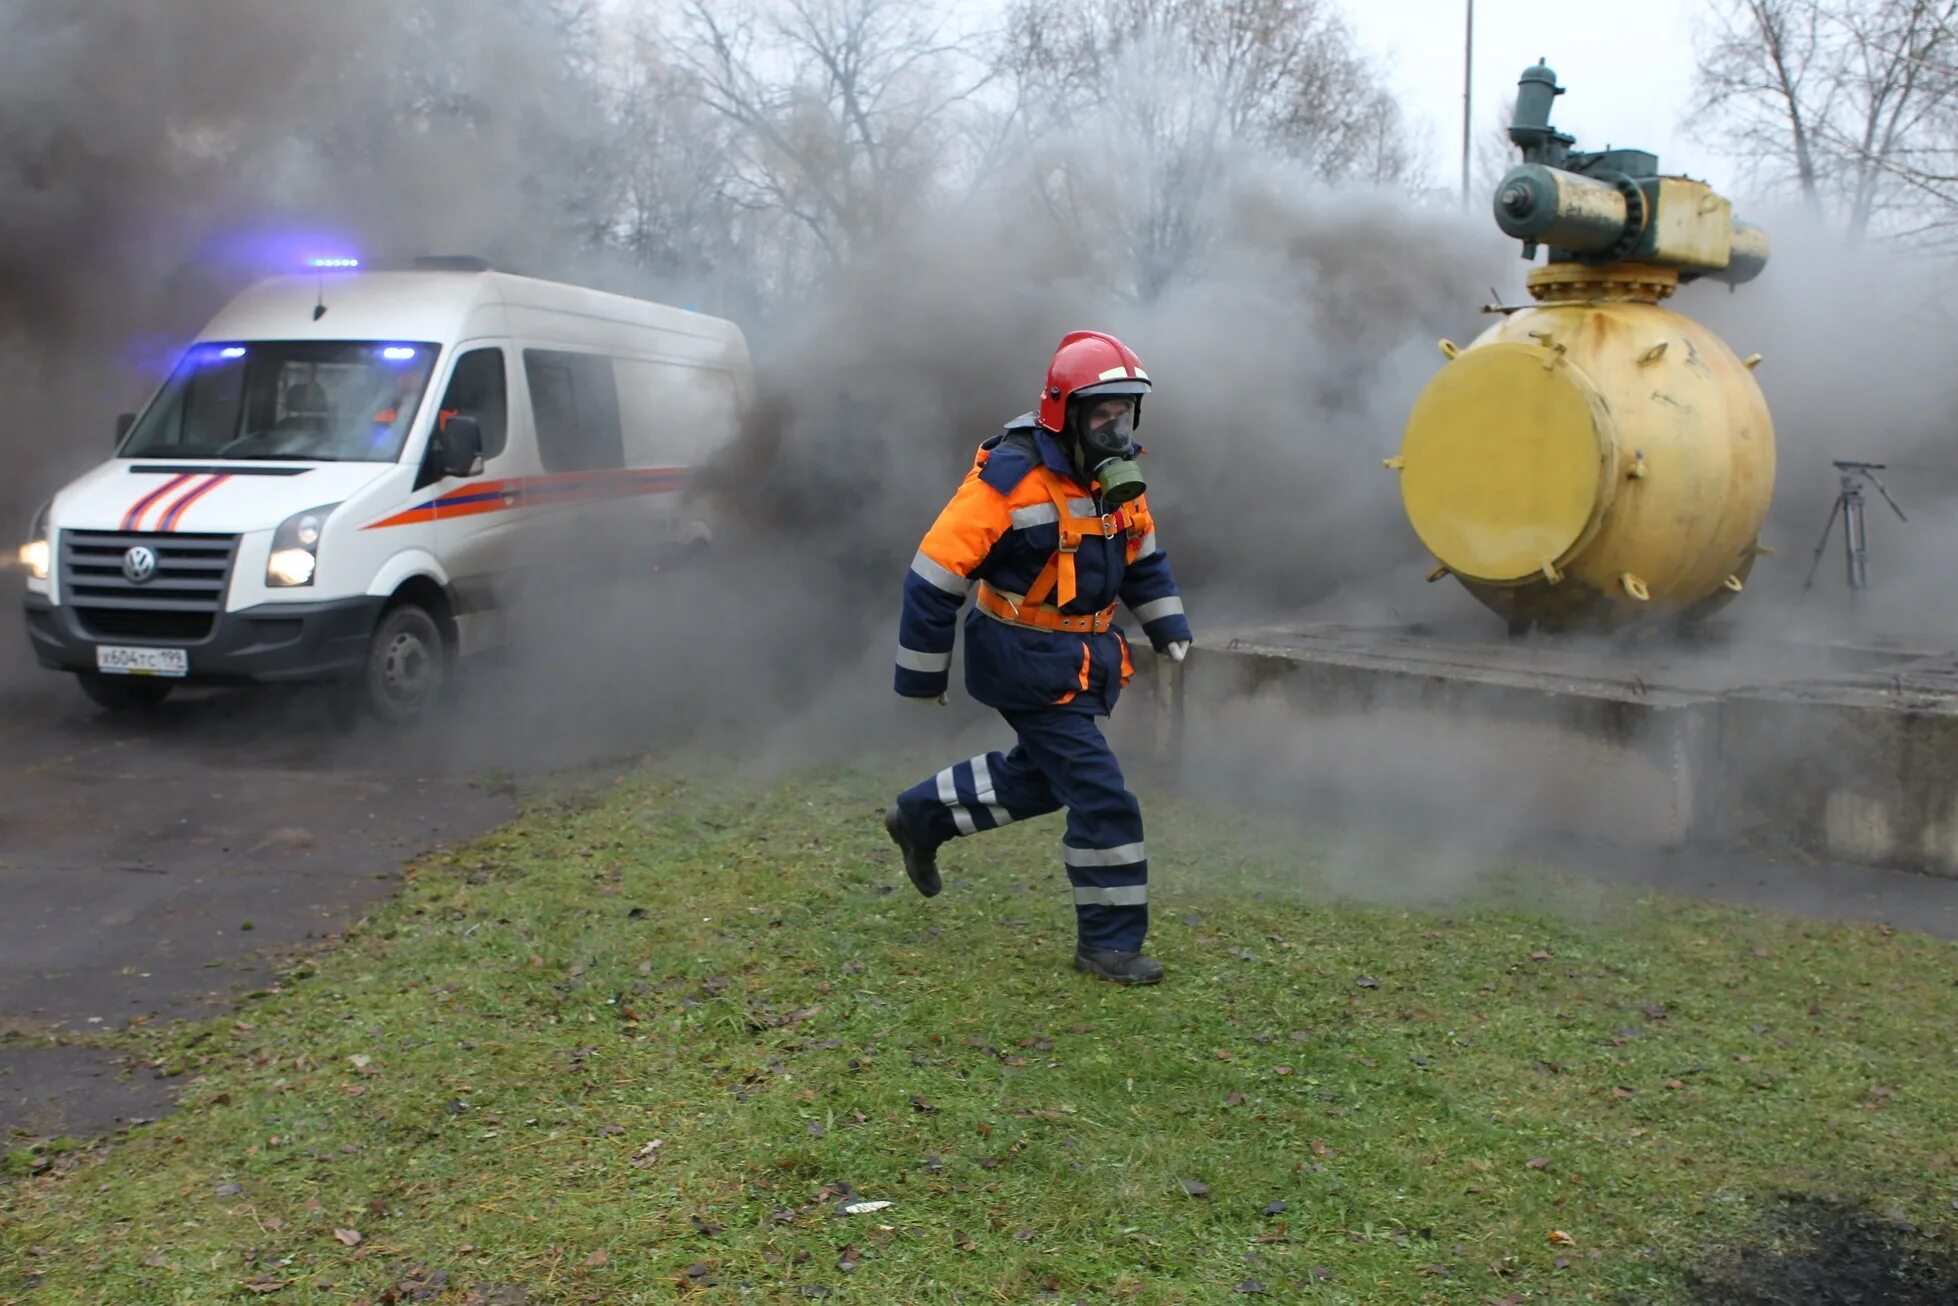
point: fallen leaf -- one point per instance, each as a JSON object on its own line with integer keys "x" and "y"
{"x": 1235, "y": 1099}
{"x": 1367, "y": 982}
{"x": 1561, "y": 1239}
{"x": 1195, "y": 1187}
{"x": 706, "y": 1228}
{"x": 1539, "y": 955}
{"x": 351, "y": 1237}
{"x": 597, "y": 1259}
{"x": 1275, "y": 1208}
{"x": 922, "y": 1107}
{"x": 864, "y": 1208}
{"x": 1538, "y": 1163}
{"x": 1621, "y": 1091}
{"x": 1220, "y": 1054}
{"x": 1250, "y": 1286}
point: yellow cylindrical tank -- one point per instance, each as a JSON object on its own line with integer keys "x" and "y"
{"x": 1593, "y": 459}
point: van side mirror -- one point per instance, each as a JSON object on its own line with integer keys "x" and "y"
{"x": 461, "y": 443}
{"x": 123, "y": 422}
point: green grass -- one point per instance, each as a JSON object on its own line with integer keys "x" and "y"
{"x": 647, "y": 1046}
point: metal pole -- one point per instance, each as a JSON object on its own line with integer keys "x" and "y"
{"x": 1855, "y": 543}
{"x": 1468, "y": 88}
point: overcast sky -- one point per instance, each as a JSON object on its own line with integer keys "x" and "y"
{"x": 1628, "y": 70}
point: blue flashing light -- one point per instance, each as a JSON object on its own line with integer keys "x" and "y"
{"x": 232, "y": 351}
{"x": 333, "y": 262}
{"x": 397, "y": 353}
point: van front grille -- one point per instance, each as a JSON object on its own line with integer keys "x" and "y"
{"x": 179, "y": 602}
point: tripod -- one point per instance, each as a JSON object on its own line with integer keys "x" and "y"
{"x": 1849, "y": 504}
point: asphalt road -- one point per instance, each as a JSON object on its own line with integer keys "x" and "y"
{"x": 148, "y": 864}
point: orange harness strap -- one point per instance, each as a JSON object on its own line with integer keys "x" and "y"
{"x": 1040, "y": 616}
{"x": 1057, "y": 577}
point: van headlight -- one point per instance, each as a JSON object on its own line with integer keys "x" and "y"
{"x": 295, "y": 548}
{"x": 36, "y": 553}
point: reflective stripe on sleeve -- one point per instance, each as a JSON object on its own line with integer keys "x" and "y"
{"x": 937, "y": 576}
{"x": 912, "y": 660}
{"x": 1121, "y": 895}
{"x": 1147, "y": 547}
{"x": 1169, "y": 607}
{"x": 1127, "y": 854}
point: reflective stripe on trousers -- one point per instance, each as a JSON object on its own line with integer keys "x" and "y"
{"x": 1061, "y": 760}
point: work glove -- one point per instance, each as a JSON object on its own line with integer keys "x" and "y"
{"x": 939, "y": 701}
{"x": 1176, "y": 650}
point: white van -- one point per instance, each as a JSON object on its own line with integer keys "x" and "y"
{"x": 348, "y": 471}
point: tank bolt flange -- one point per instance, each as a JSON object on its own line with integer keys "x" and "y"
{"x": 1635, "y": 587}
{"x": 1653, "y": 354}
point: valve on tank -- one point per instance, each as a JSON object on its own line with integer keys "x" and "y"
{"x": 1596, "y": 458}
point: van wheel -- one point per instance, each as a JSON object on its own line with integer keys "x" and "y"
{"x": 123, "y": 693}
{"x": 407, "y": 665}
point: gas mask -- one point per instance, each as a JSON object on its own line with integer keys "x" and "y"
{"x": 1107, "y": 451}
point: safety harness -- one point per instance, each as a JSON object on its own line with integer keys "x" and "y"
{"x": 1057, "y": 577}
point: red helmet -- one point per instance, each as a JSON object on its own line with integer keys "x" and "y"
{"x": 1089, "y": 363}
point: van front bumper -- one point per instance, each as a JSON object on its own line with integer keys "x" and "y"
{"x": 271, "y": 642}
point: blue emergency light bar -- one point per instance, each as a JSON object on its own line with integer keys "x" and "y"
{"x": 333, "y": 262}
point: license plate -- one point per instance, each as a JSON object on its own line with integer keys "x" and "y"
{"x": 122, "y": 660}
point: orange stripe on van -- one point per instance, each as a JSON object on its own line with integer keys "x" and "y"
{"x": 553, "y": 490}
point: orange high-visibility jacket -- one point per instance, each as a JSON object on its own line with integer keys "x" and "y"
{"x": 1002, "y": 534}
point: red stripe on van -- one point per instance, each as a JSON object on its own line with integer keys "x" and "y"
{"x": 133, "y": 519}
{"x": 176, "y": 511}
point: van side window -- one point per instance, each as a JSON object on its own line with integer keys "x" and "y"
{"x": 675, "y": 415}
{"x": 576, "y": 404}
{"x": 477, "y": 389}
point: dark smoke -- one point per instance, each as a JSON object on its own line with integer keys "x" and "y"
{"x": 153, "y": 158}
{"x": 156, "y": 157}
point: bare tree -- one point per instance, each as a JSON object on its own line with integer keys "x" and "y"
{"x": 842, "y": 109}
{"x": 1138, "y": 109}
{"x": 1849, "y": 103}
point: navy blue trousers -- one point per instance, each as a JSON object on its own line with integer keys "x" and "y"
{"x": 1061, "y": 760}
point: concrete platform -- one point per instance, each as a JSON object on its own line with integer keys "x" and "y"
{"x": 1845, "y": 751}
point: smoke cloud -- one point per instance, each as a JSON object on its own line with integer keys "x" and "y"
{"x": 153, "y": 158}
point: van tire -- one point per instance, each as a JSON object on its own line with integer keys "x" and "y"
{"x": 123, "y": 693}
{"x": 407, "y": 665}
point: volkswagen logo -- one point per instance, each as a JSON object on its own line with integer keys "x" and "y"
{"x": 139, "y": 564}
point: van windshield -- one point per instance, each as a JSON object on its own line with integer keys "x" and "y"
{"x": 334, "y": 401}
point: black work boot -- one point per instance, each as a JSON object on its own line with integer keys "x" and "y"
{"x": 920, "y": 863}
{"x": 1116, "y": 966}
